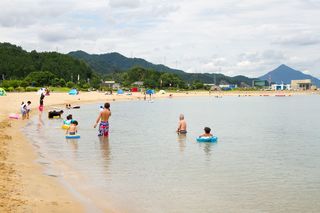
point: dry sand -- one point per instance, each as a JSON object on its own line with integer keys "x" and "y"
{"x": 23, "y": 186}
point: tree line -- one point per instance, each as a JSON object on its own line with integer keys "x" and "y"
{"x": 22, "y": 70}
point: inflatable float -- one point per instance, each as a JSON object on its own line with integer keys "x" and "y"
{"x": 72, "y": 136}
{"x": 65, "y": 126}
{"x": 207, "y": 139}
{"x": 14, "y": 116}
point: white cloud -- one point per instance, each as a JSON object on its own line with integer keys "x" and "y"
{"x": 232, "y": 37}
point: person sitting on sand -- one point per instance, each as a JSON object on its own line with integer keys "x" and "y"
{"x": 182, "y": 127}
{"x": 72, "y": 130}
{"x": 207, "y": 133}
{"x": 104, "y": 121}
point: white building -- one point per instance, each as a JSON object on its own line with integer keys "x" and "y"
{"x": 281, "y": 87}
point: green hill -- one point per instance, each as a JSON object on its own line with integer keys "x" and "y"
{"x": 16, "y": 63}
{"x": 114, "y": 62}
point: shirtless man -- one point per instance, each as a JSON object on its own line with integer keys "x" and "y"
{"x": 104, "y": 121}
{"x": 182, "y": 127}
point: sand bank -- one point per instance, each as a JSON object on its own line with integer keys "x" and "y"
{"x": 23, "y": 186}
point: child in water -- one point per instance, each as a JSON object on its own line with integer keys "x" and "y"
{"x": 68, "y": 120}
{"x": 28, "y": 107}
{"x": 207, "y": 133}
{"x": 72, "y": 130}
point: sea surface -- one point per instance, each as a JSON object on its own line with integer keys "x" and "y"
{"x": 267, "y": 158}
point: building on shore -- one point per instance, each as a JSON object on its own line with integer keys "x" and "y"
{"x": 138, "y": 83}
{"x": 228, "y": 86}
{"x": 213, "y": 87}
{"x": 280, "y": 86}
{"x": 260, "y": 83}
{"x": 111, "y": 85}
{"x": 301, "y": 84}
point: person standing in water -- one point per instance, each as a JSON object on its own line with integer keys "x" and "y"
{"x": 104, "y": 121}
{"x": 41, "y": 101}
{"x": 182, "y": 127}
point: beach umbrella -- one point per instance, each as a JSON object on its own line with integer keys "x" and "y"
{"x": 2, "y": 92}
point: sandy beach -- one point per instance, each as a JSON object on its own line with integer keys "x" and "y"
{"x": 23, "y": 186}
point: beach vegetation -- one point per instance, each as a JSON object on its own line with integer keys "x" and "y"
{"x": 40, "y": 78}
{"x": 19, "y": 68}
{"x": 70, "y": 84}
{"x": 31, "y": 89}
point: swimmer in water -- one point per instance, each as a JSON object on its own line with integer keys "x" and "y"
{"x": 182, "y": 126}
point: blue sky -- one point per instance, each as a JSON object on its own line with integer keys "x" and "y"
{"x": 233, "y": 37}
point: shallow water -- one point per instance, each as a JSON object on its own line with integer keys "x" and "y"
{"x": 267, "y": 158}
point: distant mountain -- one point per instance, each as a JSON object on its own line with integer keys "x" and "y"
{"x": 285, "y": 74}
{"x": 114, "y": 62}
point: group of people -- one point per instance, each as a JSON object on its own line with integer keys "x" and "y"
{"x": 182, "y": 128}
{"x": 25, "y": 109}
{"x": 102, "y": 120}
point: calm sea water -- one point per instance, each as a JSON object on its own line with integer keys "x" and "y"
{"x": 267, "y": 158}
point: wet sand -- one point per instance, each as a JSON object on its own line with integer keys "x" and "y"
{"x": 23, "y": 185}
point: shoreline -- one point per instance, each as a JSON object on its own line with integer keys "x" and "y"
{"x": 24, "y": 186}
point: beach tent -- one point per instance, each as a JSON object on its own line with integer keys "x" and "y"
{"x": 150, "y": 92}
{"x": 120, "y": 92}
{"x": 73, "y": 92}
{"x": 2, "y": 92}
{"x": 162, "y": 92}
{"x": 134, "y": 89}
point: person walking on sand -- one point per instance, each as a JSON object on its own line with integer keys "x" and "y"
{"x": 41, "y": 102}
{"x": 182, "y": 127}
{"x": 104, "y": 121}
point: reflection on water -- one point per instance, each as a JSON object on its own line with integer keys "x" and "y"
{"x": 74, "y": 146}
{"x": 208, "y": 148}
{"x": 105, "y": 151}
{"x": 182, "y": 138}
{"x": 266, "y": 160}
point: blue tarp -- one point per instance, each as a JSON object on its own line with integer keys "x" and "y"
{"x": 120, "y": 91}
{"x": 73, "y": 92}
{"x": 150, "y": 92}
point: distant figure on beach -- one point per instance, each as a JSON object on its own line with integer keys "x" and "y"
{"x": 28, "y": 107}
{"x": 72, "y": 130}
{"x": 41, "y": 108}
{"x": 101, "y": 108}
{"x": 23, "y": 109}
{"x": 207, "y": 133}
{"x": 182, "y": 127}
{"x": 104, "y": 121}
{"x": 68, "y": 106}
